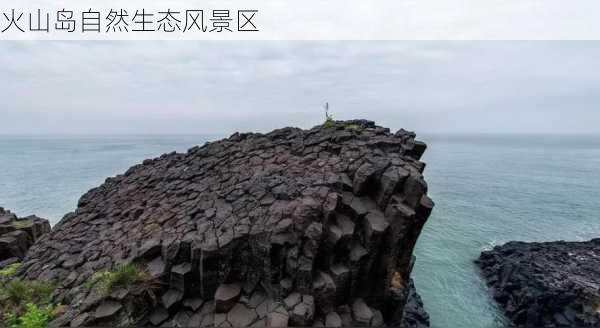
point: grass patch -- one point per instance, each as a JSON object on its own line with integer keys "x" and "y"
{"x": 331, "y": 124}
{"x": 129, "y": 276}
{"x": 16, "y": 293}
{"x": 10, "y": 270}
{"x": 20, "y": 224}
{"x": 27, "y": 304}
{"x": 353, "y": 127}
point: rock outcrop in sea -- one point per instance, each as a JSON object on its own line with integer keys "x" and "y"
{"x": 552, "y": 284}
{"x": 18, "y": 234}
{"x": 293, "y": 227}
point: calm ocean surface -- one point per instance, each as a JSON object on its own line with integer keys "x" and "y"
{"x": 488, "y": 190}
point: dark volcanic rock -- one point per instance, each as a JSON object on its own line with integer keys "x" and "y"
{"x": 415, "y": 315}
{"x": 18, "y": 234}
{"x": 283, "y": 227}
{"x": 226, "y": 297}
{"x": 553, "y": 284}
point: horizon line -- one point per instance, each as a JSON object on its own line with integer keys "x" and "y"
{"x": 458, "y": 133}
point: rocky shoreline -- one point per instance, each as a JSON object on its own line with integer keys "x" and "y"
{"x": 551, "y": 284}
{"x": 293, "y": 227}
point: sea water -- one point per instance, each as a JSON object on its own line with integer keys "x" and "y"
{"x": 488, "y": 189}
{"x": 491, "y": 189}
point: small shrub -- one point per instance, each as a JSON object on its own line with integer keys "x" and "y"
{"x": 32, "y": 317}
{"x": 125, "y": 276}
{"x": 16, "y": 293}
{"x": 26, "y": 304}
{"x": 10, "y": 269}
{"x": 329, "y": 122}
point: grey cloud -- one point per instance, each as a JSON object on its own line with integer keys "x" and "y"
{"x": 218, "y": 87}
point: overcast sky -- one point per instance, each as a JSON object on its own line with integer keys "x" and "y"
{"x": 189, "y": 87}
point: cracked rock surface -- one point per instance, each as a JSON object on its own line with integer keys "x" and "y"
{"x": 293, "y": 227}
{"x": 551, "y": 284}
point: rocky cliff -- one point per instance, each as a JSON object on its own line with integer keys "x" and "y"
{"x": 293, "y": 227}
{"x": 554, "y": 284}
{"x": 18, "y": 234}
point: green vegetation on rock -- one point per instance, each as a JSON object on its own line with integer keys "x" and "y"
{"x": 350, "y": 126}
{"x": 32, "y": 317}
{"x": 16, "y": 292}
{"x": 10, "y": 269}
{"x": 21, "y": 224}
{"x": 26, "y": 304}
{"x": 331, "y": 123}
{"x": 128, "y": 276}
